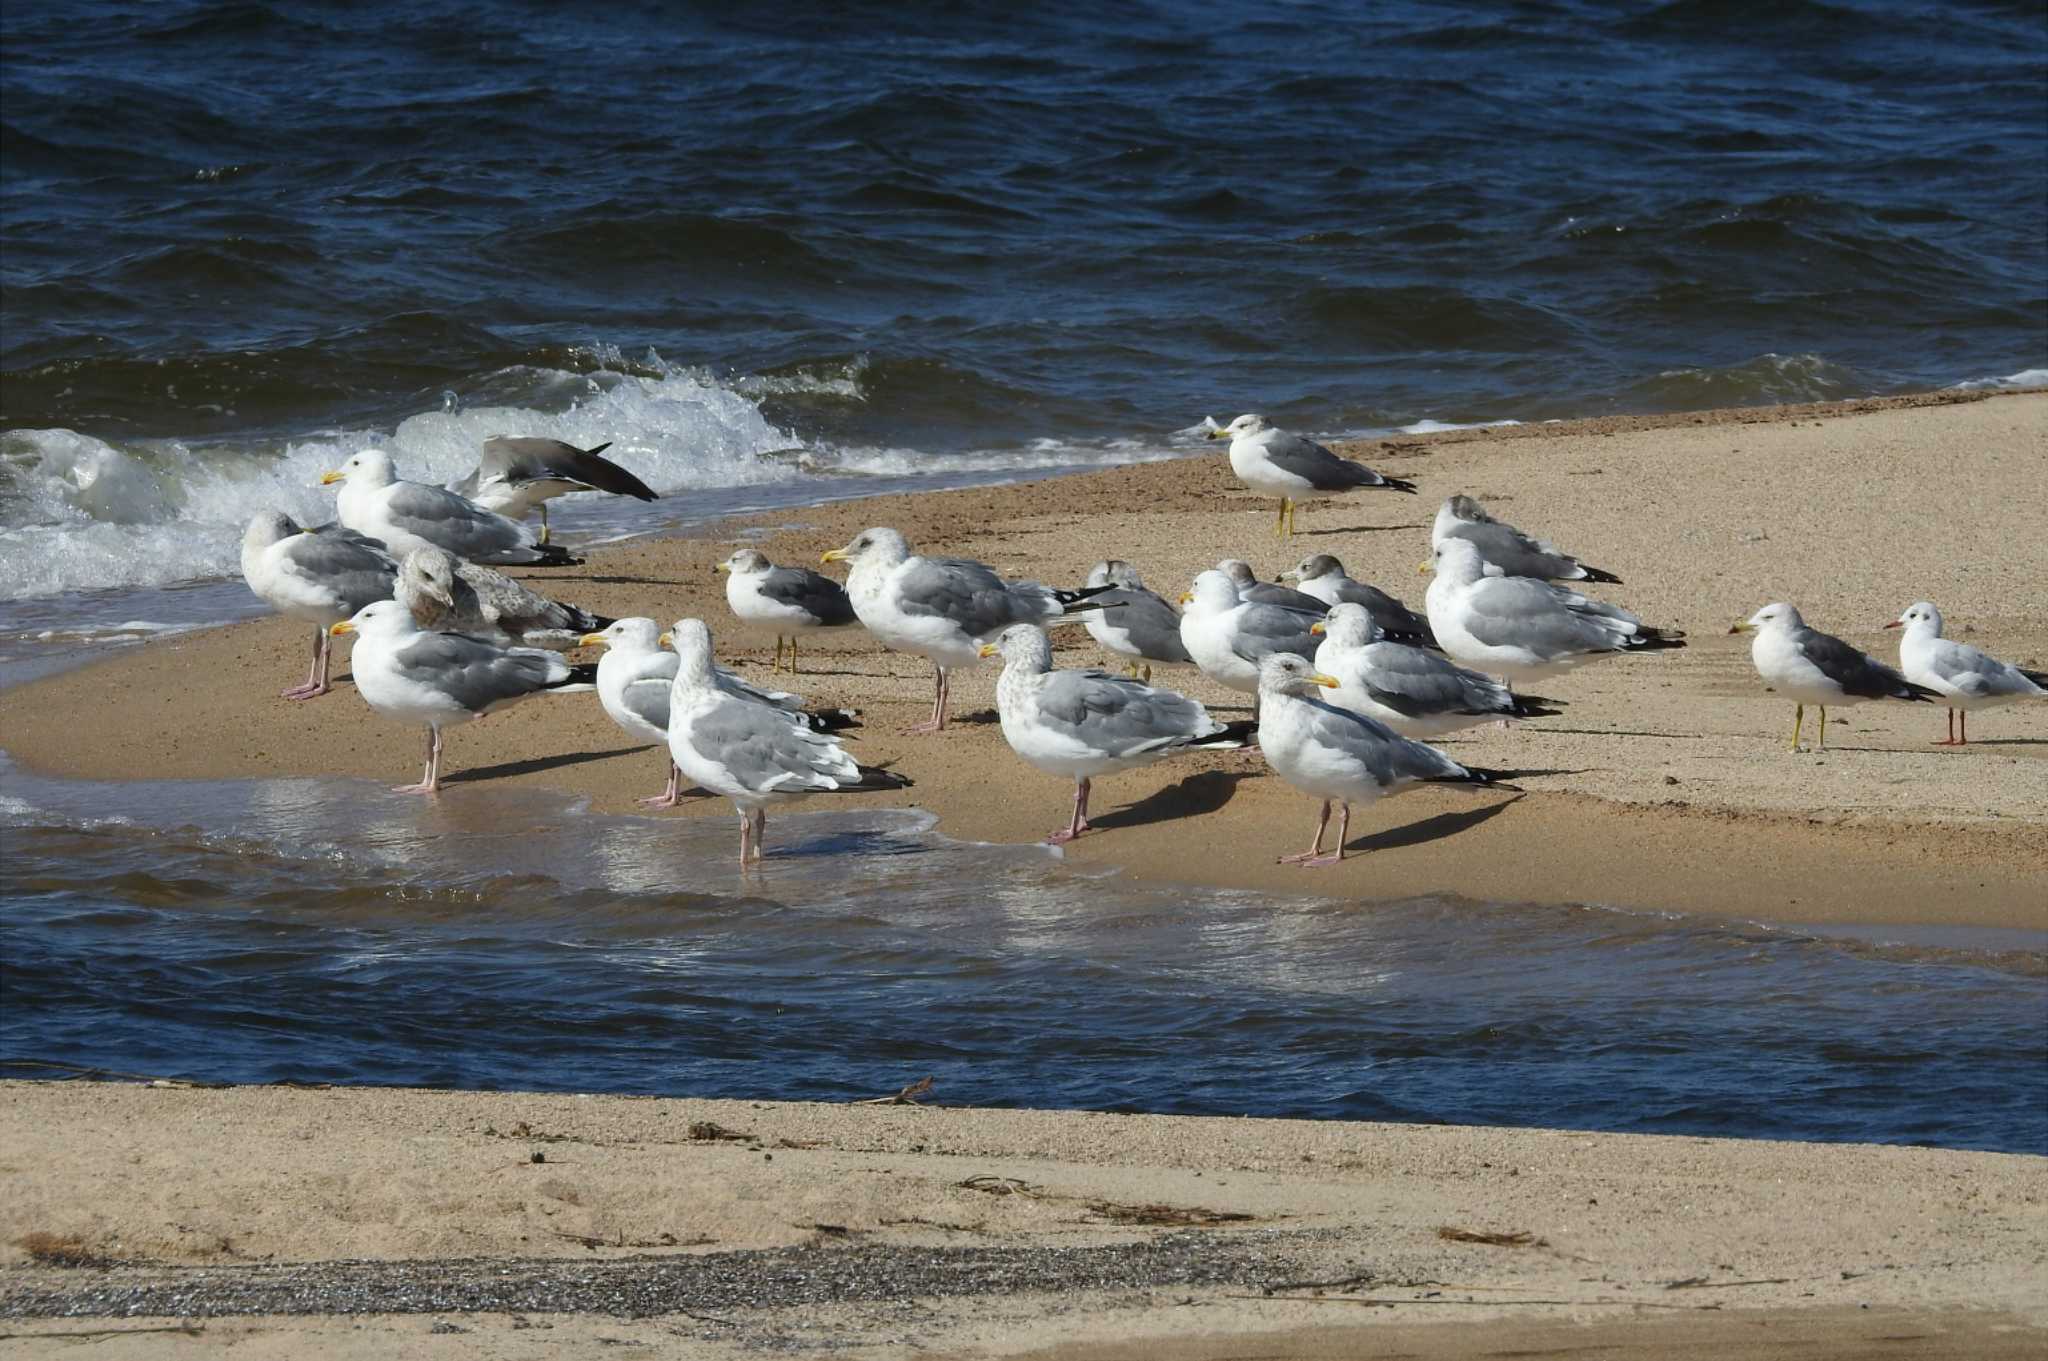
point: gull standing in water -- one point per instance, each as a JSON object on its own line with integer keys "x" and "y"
{"x": 941, "y": 608}
{"x": 1965, "y": 677}
{"x": 320, "y": 575}
{"x": 1080, "y": 724}
{"x": 1269, "y": 460}
{"x": 791, "y": 600}
{"x": 1520, "y": 628}
{"x": 516, "y": 474}
{"x": 752, "y": 753}
{"x": 403, "y": 516}
{"x": 1416, "y": 693}
{"x": 1323, "y": 577}
{"x": 1134, "y": 622}
{"x": 447, "y": 594}
{"x": 1340, "y": 756}
{"x": 1807, "y": 666}
{"x": 1508, "y": 548}
{"x": 444, "y": 679}
{"x": 1229, "y": 637}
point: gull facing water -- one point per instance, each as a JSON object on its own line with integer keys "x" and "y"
{"x": 1229, "y": 637}
{"x": 322, "y": 576}
{"x": 791, "y": 600}
{"x": 1295, "y": 469}
{"x": 447, "y": 594}
{"x": 516, "y": 474}
{"x": 404, "y": 516}
{"x": 1807, "y": 666}
{"x": 1520, "y": 628}
{"x": 1323, "y": 577}
{"x": 1503, "y": 546}
{"x": 1258, "y": 592}
{"x": 1413, "y": 692}
{"x": 1134, "y": 622}
{"x": 1965, "y": 677}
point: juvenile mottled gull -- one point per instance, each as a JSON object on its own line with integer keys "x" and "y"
{"x": 445, "y": 593}
{"x": 1507, "y": 548}
{"x": 1081, "y": 724}
{"x": 1520, "y": 628}
{"x": 403, "y": 516}
{"x": 1258, "y": 592}
{"x": 1322, "y": 576}
{"x": 791, "y": 600}
{"x": 516, "y": 474}
{"x": 1807, "y": 666}
{"x": 1268, "y": 459}
{"x": 1337, "y": 755}
{"x": 1416, "y": 693}
{"x": 1134, "y": 622}
{"x": 444, "y": 679}
{"x": 941, "y": 608}
{"x": 1965, "y": 677}
{"x": 754, "y": 754}
{"x": 320, "y": 575}
{"x": 1228, "y": 637}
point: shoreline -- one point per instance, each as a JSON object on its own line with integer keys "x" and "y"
{"x": 1665, "y": 785}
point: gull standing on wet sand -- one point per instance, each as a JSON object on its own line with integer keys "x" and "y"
{"x": 1339, "y": 756}
{"x": 320, "y": 575}
{"x": 1081, "y": 724}
{"x": 1134, "y": 622}
{"x": 1503, "y": 546}
{"x": 444, "y": 679}
{"x": 1323, "y": 577}
{"x": 1965, "y": 677}
{"x": 1416, "y": 693}
{"x": 516, "y": 474}
{"x": 791, "y": 600}
{"x": 1807, "y": 666}
{"x": 447, "y": 594}
{"x": 1519, "y": 628}
{"x": 1269, "y": 460}
{"x": 752, "y": 753}
{"x": 941, "y": 608}
{"x": 1229, "y": 637}
{"x": 403, "y": 516}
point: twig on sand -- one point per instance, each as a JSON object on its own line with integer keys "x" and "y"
{"x": 997, "y": 1186}
{"x": 1362, "y": 1278}
{"x": 709, "y": 1129}
{"x": 909, "y": 1096}
{"x": 189, "y": 1329}
{"x": 1702, "y": 1283}
{"x": 1377, "y": 1301}
{"x": 1514, "y": 1239}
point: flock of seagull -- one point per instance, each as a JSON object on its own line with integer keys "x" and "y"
{"x": 1346, "y": 680}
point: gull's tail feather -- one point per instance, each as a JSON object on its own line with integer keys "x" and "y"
{"x": 1395, "y": 484}
{"x": 1595, "y": 574}
{"x": 1484, "y": 779}
{"x": 1535, "y": 706}
{"x": 581, "y": 677}
{"x": 1239, "y": 733}
{"x": 876, "y": 778}
{"x": 2039, "y": 678}
{"x": 831, "y": 720}
{"x": 1656, "y": 640}
{"x": 1918, "y": 694}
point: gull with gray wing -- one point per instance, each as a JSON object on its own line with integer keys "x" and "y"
{"x": 1807, "y": 666}
{"x": 1323, "y": 577}
{"x": 1134, "y": 622}
{"x": 322, "y": 576}
{"x": 1965, "y": 677}
{"x": 1296, "y": 469}
{"x": 515, "y": 474}
{"x": 1229, "y": 637}
{"x": 1416, "y": 693}
{"x": 403, "y": 516}
{"x": 1519, "y": 628}
{"x": 791, "y": 600}
{"x": 448, "y": 594}
{"x": 1506, "y": 548}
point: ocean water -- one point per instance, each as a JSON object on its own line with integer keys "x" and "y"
{"x": 818, "y": 251}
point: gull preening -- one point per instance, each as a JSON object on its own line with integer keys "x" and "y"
{"x": 1229, "y": 637}
{"x": 1519, "y": 628}
{"x": 448, "y": 594}
{"x": 1506, "y": 548}
{"x": 516, "y": 474}
{"x": 1807, "y": 666}
{"x": 752, "y": 753}
{"x": 940, "y": 608}
{"x": 1322, "y": 576}
{"x": 1081, "y": 724}
{"x": 322, "y": 576}
{"x": 790, "y": 600}
{"x": 1339, "y": 756}
{"x": 1295, "y": 469}
{"x": 1964, "y": 677}
{"x": 1413, "y": 692}
{"x": 1258, "y": 592}
{"x": 1134, "y": 622}
{"x": 442, "y": 680}
{"x": 374, "y": 500}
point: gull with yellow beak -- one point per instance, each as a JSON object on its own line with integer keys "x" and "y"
{"x": 790, "y": 600}
{"x": 1339, "y": 756}
{"x": 375, "y": 501}
{"x": 322, "y": 576}
{"x": 442, "y": 680}
{"x": 1269, "y": 460}
{"x": 1807, "y": 666}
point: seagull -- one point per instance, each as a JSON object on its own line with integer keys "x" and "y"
{"x": 1229, "y": 637}
{"x": 403, "y": 516}
{"x": 1514, "y": 553}
{"x": 447, "y": 594}
{"x": 444, "y": 679}
{"x": 1416, "y": 693}
{"x": 320, "y": 575}
{"x": 1519, "y": 628}
{"x": 1258, "y": 592}
{"x": 1963, "y": 676}
{"x": 516, "y": 474}
{"x": 1811, "y": 667}
{"x": 1268, "y": 459}
{"x": 941, "y": 608}
{"x": 1081, "y": 724}
{"x": 1134, "y": 623}
{"x": 792, "y": 600}
{"x": 753, "y": 753}
{"x": 1340, "y": 756}
{"x": 1322, "y": 576}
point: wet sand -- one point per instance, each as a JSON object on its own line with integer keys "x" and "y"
{"x": 1665, "y": 785}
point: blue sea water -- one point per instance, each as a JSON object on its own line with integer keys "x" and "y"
{"x": 782, "y": 254}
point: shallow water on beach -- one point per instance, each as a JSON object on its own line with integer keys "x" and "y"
{"x": 313, "y": 930}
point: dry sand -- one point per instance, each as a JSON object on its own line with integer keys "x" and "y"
{"x": 1666, "y": 784}
{"x": 1210, "y": 1237}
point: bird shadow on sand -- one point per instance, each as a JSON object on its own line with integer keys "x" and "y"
{"x": 641, "y": 581}
{"x": 1356, "y": 529}
{"x": 507, "y": 769}
{"x": 1429, "y": 829}
{"x": 1197, "y": 794}
{"x": 981, "y": 718}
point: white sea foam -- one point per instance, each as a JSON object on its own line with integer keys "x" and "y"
{"x": 2012, "y": 382}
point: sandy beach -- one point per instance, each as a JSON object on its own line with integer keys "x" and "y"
{"x": 1665, "y": 785}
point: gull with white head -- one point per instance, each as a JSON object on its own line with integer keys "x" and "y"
{"x": 1295, "y": 469}
{"x": 1519, "y": 628}
{"x": 374, "y": 500}
{"x": 1229, "y": 637}
{"x": 1134, "y": 622}
{"x": 1416, "y": 693}
{"x": 322, "y": 576}
{"x": 1807, "y": 666}
{"x": 1965, "y": 677}
{"x": 790, "y": 600}
{"x": 1323, "y": 577}
{"x": 1509, "y": 550}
